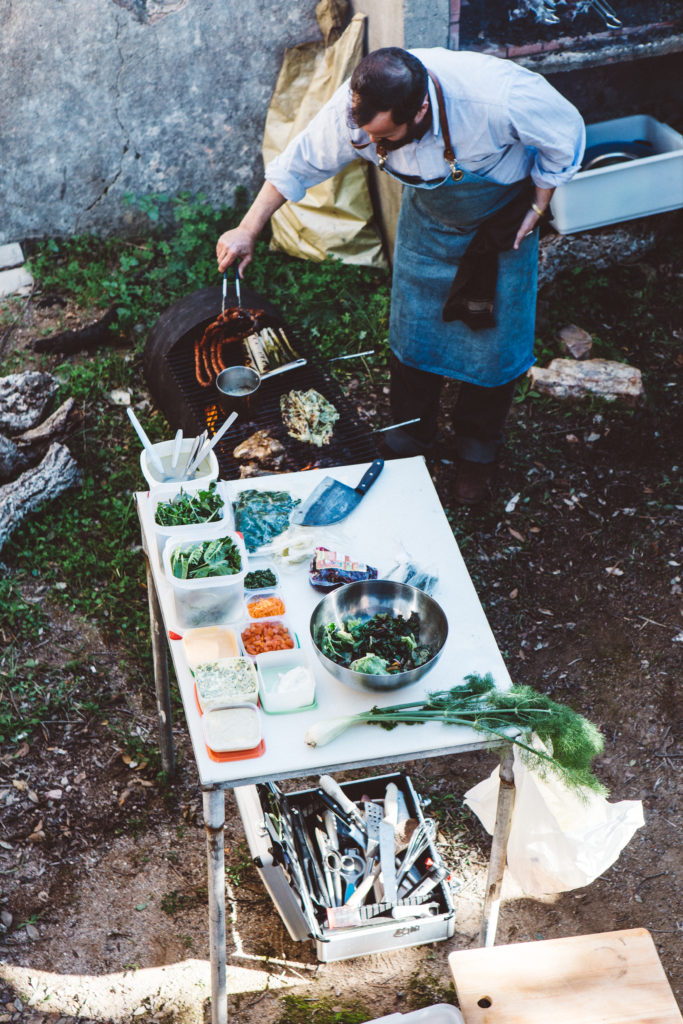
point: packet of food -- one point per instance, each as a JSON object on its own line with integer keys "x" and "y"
{"x": 329, "y": 569}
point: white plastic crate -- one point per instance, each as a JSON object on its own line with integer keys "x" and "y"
{"x": 623, "y": 191}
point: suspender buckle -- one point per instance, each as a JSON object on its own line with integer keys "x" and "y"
{"x": 456, "y": 173}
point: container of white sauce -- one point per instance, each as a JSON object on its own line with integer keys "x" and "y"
{"x": 286, "y": 682}
{"x": 231, "y": 727}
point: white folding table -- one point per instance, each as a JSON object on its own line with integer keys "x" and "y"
{"x": 401, "y": 516}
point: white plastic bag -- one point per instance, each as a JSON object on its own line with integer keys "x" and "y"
{"x": 559, "y": 839}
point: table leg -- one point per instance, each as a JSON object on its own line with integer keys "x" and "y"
{"x": 501, "y": 834}
{"x": 214, "y": 819}
{"x": 163, "y": 690}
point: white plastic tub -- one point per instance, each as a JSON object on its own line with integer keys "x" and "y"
{"x": 206, "y": 471}
{"x": 167, "y": 492}
{"x": 271, "y": 666}
{"x": 623, "y": 191}
{"x": 231, "y": 727}
{"x": 212, "y": 600}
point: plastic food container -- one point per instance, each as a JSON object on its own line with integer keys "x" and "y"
{"x": 211, "y": 643}
{"x": 255, "y": 567}
{"x": 286, "y": 681}
{"x": 206, "y": 471}
{"x": 213, "y": 599}
{"x": 253, "y": 603}
{"x": 231, "y": 727}
{"x": 239, "y": 684}
{"x": 167, "y": 492}
{"x": 254, "y": 627}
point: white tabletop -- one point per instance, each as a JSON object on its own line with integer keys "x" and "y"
{"x": 400, "y": 516}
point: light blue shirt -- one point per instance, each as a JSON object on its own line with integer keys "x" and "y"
{"x": 505, "y": 123}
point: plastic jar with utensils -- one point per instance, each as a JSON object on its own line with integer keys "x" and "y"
{"x": 206, "y": 471}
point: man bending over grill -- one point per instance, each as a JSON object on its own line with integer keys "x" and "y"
{"x": 480, "y": 144}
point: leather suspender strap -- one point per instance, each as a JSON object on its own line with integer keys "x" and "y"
{"x": 443, "y": 120}
{"x": 448, "y": 151}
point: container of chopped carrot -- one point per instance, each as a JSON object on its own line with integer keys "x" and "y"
{"x": 263, "y": 635}
{"x": 265, "y": 606}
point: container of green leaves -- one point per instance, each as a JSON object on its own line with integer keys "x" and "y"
{"x": 206, "y": 574}
{"x": 190, "y": 510}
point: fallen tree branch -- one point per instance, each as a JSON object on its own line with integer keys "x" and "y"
{"x": 93, "y": 336}
{"x": 56, "y": 473}
{"x": 57, "y": 427}
{"x": 24, "y": 399}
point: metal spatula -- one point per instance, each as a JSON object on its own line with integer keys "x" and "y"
{"x": 387, "y": 839}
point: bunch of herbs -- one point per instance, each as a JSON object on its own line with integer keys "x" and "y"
{"x": 571, "y": 742}
{"x": 187, "y": 509}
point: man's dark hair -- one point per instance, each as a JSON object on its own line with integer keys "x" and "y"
{"x": 388, "y": 79}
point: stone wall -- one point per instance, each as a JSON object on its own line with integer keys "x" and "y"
{"x": 103, "y": 97}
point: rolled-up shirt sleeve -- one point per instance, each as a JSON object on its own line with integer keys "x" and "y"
{"x": 547, "y": 123}
{"x": 318, "y": 152}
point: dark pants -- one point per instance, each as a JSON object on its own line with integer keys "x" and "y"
{"x": 478, "y": 414}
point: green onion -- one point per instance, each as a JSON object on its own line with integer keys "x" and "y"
{"x": 572, "y": 741}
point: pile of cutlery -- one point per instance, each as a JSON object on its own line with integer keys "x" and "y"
{"x": 352, "y": 863}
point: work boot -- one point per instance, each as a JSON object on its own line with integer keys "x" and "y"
{"x": 473, "y": 481}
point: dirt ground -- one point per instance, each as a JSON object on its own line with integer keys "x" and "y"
{"x": 577, "y": 561}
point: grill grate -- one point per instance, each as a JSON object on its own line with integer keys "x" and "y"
{"x": 351, "y": 441}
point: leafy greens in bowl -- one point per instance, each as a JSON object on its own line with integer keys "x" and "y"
{"x": 377, "y": 634}
{"x": 220, "y": 557}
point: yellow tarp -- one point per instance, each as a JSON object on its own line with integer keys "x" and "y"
{"x": 334, "y": 218}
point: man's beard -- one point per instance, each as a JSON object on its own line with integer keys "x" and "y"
{"x": 413, "y": 134}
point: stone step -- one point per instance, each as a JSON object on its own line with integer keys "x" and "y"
{"x": 11, "y": 255}
{"x": 17, "y": 281}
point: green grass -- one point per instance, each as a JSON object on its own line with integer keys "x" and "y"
{"x": 341, "y": 308}
{"x": 299, "y": 1010}
{"x": 424, "y": 989}
{"x": 19, "y": 618}
{"x": 34, "y": 694}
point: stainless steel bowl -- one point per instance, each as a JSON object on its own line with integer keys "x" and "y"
{"x": 366, "y": 598}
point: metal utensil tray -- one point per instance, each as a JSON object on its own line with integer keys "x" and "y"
{"x": 374, "y": 936}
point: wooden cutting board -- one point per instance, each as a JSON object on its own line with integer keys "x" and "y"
{"x": 608, "y": 978}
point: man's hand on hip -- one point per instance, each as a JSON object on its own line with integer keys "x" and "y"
{"x": 539, "y": 205}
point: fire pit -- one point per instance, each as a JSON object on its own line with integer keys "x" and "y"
{"x": 169, "y": 364}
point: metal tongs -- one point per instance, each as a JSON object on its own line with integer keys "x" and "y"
{"x": 238, "y": 293}
{"x": 601, "y": 7}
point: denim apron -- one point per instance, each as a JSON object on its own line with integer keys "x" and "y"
{"x": 436, "y": 223}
